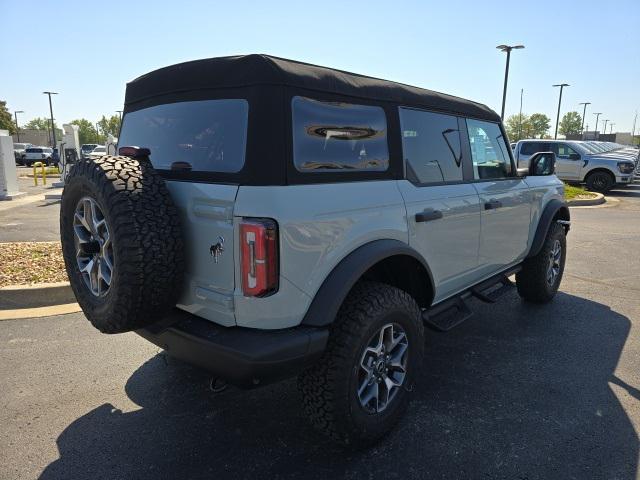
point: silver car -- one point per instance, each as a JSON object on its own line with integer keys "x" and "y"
{"x": 597, "y": 164}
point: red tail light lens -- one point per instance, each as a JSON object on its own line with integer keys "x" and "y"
{"x": 259, "y": 257}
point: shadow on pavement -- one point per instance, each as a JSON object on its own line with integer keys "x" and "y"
{"x": 632, "y": 191}
{"x": 517, "y": 392}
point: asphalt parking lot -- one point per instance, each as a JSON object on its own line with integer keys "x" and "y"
{"x": 518, "y": 391}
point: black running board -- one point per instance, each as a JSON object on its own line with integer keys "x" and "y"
{"x": 453, "y": 311}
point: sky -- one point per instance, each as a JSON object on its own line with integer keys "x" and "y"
{"x": 87, "y": 51}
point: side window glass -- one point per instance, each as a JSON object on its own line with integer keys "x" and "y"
{"x": 488, "y": 150}
{"x": 336, "y": 136}
{"x": 430, "y": 146}
{"x": 563, "y": 150}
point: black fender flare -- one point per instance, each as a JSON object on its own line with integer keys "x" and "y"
{"x": 548, "y": 214}
{"x": 337, "y": 285}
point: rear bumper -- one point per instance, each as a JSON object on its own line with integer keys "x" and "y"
{"x": 242, "y": 356}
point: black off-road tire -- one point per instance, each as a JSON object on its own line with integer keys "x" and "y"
{"x": 328, "y": 387}
{"x": 146, "y": 240}
{"x": 600, "y": 181}
{"x": 532, "y": 279}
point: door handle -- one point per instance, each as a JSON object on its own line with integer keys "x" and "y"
{"x": 492, "y": 204}
{"x": 428, "y": 214}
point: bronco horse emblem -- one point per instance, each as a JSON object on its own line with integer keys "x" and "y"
{"x": 216, "y": 250}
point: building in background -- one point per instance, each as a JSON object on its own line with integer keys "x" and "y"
{"x": 35, "y": 137}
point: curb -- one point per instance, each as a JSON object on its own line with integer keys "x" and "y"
{"x": 36, "y": 296}
{"x": 39, "y": 312}
{"x": 587, "y": 202}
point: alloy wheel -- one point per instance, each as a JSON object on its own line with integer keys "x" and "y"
{"x": 555, "y": 256}
{"x": 383, "y": 368}
{"x": 94, "y": 250}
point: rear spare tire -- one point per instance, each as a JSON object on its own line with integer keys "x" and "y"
{"x": 121, "y": 242}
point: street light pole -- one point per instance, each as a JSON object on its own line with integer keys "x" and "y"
{"x": 595, "y": 130}
{"x": 561, "y": 85}
{"x": 605, "y": 126}
{"x": 119, "y": 112}
{"x": 611, "y": 126}
{"x": 520, "y": 122}
{"x": 584, "y": 113}
{"x": 15, "y": 115}
{"x": 506, "y": 48}
{"x": 53, "y": 130}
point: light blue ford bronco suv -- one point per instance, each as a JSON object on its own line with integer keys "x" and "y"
{"x": 267, "y": 219}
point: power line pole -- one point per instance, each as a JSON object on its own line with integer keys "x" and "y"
{"x": 561, "y": 85}
{"x": 53, "y": 128}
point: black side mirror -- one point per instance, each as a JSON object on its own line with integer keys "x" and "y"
{"x": 574, "y": 156}
{"x": 542, "y": 163}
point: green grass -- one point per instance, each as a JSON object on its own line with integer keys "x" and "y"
{"x": 571, "y": 191}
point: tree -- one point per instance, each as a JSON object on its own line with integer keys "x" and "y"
{"x": 6, "y": 120}
{"x": 518, "y": 127}
{"x": 110, "y": 125}
{"x": 539, "y": 124}
{"x": 41, "y": 123}
{"x": 86, "y": 131}
{"x": 570, "y": 124}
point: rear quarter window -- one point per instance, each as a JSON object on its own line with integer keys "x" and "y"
{"x": 208, "y": 135}
{"x": 337, "y": 136}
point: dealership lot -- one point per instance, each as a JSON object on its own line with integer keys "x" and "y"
{"x": 516, "y": 392}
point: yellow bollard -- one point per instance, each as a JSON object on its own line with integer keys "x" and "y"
{"x": 43, "y": 172}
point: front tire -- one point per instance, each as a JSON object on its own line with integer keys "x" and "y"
{"x": 361, "y": 386}
{"x": 540, "y": 277}
{"x": 600, "y": 182}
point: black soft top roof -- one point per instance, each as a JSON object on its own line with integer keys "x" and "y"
{"x": 256, "y": 70}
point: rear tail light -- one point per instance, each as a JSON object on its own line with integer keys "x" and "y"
{"x": 259, "y": 256}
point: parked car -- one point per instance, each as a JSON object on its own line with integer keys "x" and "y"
{"x": 310, "y": 224}
{"x": 582, "y": 162}
{"x": 97, "y": 152}
{"x": 19, "y": 151}
{"x": 86, "y": 149}
{"x": 38, "y": 154}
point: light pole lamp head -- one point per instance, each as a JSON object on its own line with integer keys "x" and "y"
{"x": 585, "y": 103}
{"x": 562, "y": 85}
{"x": 508, "y": 48}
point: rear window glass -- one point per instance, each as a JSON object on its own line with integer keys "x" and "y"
{"x": 208, "y": 135}
{"x": 332, "y": 136}
{"x": 34, "y": 150}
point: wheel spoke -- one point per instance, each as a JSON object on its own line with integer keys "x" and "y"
{"x": 371, "y": 393}
{"x": 83, "y": 223}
